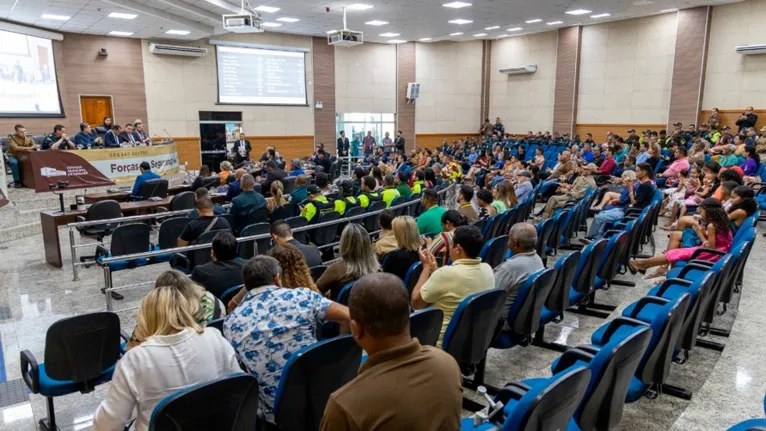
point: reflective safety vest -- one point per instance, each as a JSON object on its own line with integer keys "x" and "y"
{"x": 389, "y": 195}
{"x": 315, "y": 208}
{"x": 366, "y": 198}
{"x": 417, "y": 187}
{"x": 344, "y": 204}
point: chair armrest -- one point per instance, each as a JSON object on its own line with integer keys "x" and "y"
{"x": 616, "y": 324}
{"x": 701, "y": 263}
{"x": 690, "y": 266}
{"x": 79, "y": 219}
{"x": 30, "y": 371}
{"x": 588, "y": 349}
{"x": 161, "y": 210}
{"x": 570, "y": 357}
{"x": 699, "y": 251}
{"x": 101, "y": 251}
{"x": 672, "y": 282}
{"x": 512, "y": 390}
{"x": 633, "y": 211}
{"x": 180, "y": 262}
{"x": 644, "y": 301}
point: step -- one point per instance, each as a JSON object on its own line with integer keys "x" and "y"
{"x": 20, "y": 231}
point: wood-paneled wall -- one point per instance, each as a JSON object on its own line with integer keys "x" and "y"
{"x": 689, "y": 64}
{"x": 323, "y": 58}
{"x": 188, "y": 152}
{"x": 433, "y": 140}
{"x": 288, "y": 147}
{"x": 486, "y": 79}
{"x": 567, "y": 68}
{"x": 600, "y": 130}
{"x": 729, "y": 117}
{"x": 405, "y": 73}
{"x": 81, "y": 71}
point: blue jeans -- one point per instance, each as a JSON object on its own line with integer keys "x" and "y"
{"x": 602, "y": 219}
{"x": 15, "y": 169}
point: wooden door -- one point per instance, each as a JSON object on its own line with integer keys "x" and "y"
{"x": 93, "y": 109}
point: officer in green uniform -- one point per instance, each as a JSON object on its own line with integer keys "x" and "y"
{"x": 389, "y": 192}
{"x": 347, "y": 201}
{"x": 316, "y": 205}
{"x": 368, "y": 196}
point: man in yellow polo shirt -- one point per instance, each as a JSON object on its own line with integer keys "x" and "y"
{"x": 389, "y": 192}
{"x": 368, "y": 196}
{"x": 446, "y": 287}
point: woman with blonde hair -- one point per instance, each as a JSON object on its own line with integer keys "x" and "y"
{"x": 277, "y": 198}
{"x": 177, "y": 353}
{"x": 408, "y": 242}
{"x": 357, "y": 260}
{"x": 504, "y": 197}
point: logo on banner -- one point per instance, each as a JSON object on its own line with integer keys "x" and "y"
{"x": 52, "y": 172}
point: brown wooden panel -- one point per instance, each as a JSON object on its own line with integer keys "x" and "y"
{"x": 433, "y": 140}
{"x": 81, "y": 71}
{"x": 289, "y": 147}
{"x": 729, "y": 117}
{"x": 405, "y": 73}
{"x": 188, "y": 152}
{"x": 689, "y": 64}
{"x": 567, "y": 69}
{"x": 323, "y": 57}
{"x": 601, "y": 130}
{"x": 486, "y": 81}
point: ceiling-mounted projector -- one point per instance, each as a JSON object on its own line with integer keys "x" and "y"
{"x": 345, "y": 37}
{"x": 532, "y": 68}
{"x": 243, "y": 23}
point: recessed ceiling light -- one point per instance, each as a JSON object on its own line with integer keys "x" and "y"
{"x": 360, "y": 6}
{"x": 479, "y": 34}
{"x": 668, "y": 10}
{"x": 578, "y": 12}
{"x": 286, "y": 19}
{"x": 494, "y": 27}
{"x": 503, "y": 35}
{"x": 555, "y": 22}
{"x": 601, "y": 15}
{"x": 122, "y": 15}
{"x": 642, "y": 3}
{"x": 376, "y": 22}
{"x": 272, "y": 24}
{"x": 514, "y": 29}
{"x": 457, "y": 4}
{"x": 267, "y": 9}
{"x": 389, "y": 34}
{"x": 120, "y": 33}
{"x": 55, "y": 17}
{"x": 178, "y": 32}
{"x": 424, "y": 39}
{"x": 455, "y": 34}
{"x": 396, "y": 41}
{"x": 460, "y": 21}
{"x": 532, "y": 21}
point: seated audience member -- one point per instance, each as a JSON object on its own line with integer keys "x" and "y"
{"x": 524, "y": 186}
{"x": 680, "y": 163}
{"x": 368, "y": 195}
{"x": 277, "y": 199}
{"x": 126, "y": 137}
{"x": 204, "y": 305}
{"x": 271, "y": 323}
{"x": 58, "y": 140}
{"x": 139, "y": 134}
{"x": 447, "y": 286}
{"x": 273, "y": 174}
{"x": 346, "y": 200}
{"x": 429, "y": 222}
{"x": 226, "y": 170}
{"x": 323, "y": 159}
{"x": 18, "y": 144}
{"x": 200, "y": 181}
{"x": 225, "y": 271}
{"x": 751, "y": 163}
{"x": 297, "y": 169}
{"x": 609, "y": 163}
{"x": 146, "y": 175}
{"x": 357, "y": 260}
{"x": 408, "y": 243}
{"x": 205, "y": 193}
{"x": 282, "y": 234}
{"x": 728, "y": 158}
{"x": 563, "y": 168}
{"x": 389, "y": 192}
{"x": 176, "y": 353}
{"x": 422, "y": 382}
{"x": 317, "y": 204}
{"x": 112, "y": 137}
{"x": 464, "y": 198}
{"x": 638, "y": 198}
{"x": 299, "y": 193}
{"x": 743, "y": 205}
{"x": 504, "y": 197}
{"x": 248, "y": 200}
{"x": 571, "y": 192}
{"x": 484, "y": 200}
{"x": 441, "y": 244}
{"x": 206, "y": 222}
{"x": 235, "y": 187}
{"x": 524, "y": 261}
{"x": 322, "y": 180}
{"x": 402, "y": 186}
{"x": 386, "y": 243}
{"x": 86, "y": 138}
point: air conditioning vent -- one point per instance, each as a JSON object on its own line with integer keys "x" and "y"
{"x": 184, "y": 51}
{"x": 751, "y": 49}
{"x": 532, "y": 68}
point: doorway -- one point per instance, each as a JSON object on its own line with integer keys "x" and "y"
{"x": 93, "y": 109}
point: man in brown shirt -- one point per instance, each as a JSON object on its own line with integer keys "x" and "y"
{"x": 564, "y": 167}
{"x": 19, "y": 143}
{"x": 402, "y": 385}
{"x": 387, "y": 242}
{"x": 464, "y": 196}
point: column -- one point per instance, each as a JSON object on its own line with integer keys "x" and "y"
{"x": 567, "y": 71}
{"x": 323, "y": 58}
{"x": 405, "y": 73}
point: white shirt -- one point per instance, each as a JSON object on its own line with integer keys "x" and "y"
{"x": 160, "y": 366}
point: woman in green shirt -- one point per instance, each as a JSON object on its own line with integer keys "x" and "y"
{"x": 355, "y": 145}
{"x": 504, "y": 197}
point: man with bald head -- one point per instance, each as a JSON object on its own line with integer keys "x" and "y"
{"x": 524, "y": 261}
{"x": 423, "y": 382}
{"x": 564, "y": 167}
{"x": 236, "y": 186}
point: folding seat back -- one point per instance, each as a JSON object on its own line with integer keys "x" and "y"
{"x": 229, "y": 402}
{"x": 493, "y": 252}
{"x": 317, "y": 271}
{"x": 261, "y": 246}
{"x": 565, "y": 267}
{"x": 345, "y": 293}
{"x": 371, "y": 223}
{"x": 496, "y": 225}
{"x": 284, "y": 212}
{"x": 585, "y": 275}
{"x": 524, "y": 315}
{"x": 699, "y": 292}
{"x": 472, "y": 327}
{"x": 555, "y": 239}
{"x": 309, "y": 377}
{"x": 412, "y": 276}
{"x": 326, "y": 234}
{"x": 170, "y": 230}
{"x": 182, "y": 201}
{"x": 426, "y": 325}
{"x": 725, "y": 281}
{"x": 748, "y": 239}
{"x": 126, "y": 239}
{"x": 607, "y": 268}
{"x": 510, "y": 217}
{"x": 489, "y": 225}
{"x": 297, "y": 222}
{"x": 544, "y": 231}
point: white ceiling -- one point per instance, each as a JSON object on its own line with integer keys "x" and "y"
{"x": 412, "y": 19}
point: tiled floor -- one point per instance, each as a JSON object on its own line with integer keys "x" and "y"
{"x": 728, "y": 387}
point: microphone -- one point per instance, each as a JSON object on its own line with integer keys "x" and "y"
{"x": 169, "y": 137}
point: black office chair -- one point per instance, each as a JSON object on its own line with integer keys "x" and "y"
{"x": 226, "y": 403}
{"x": 372, "y": 223}
{"x": 258, "y": 215}
{"x": 284, "y": 212}
{"x": 296, "y": 222}
{"x": 326, "y": 235}
{"x": 309, "y": 377}
{"x": 317, "y": 271}
{"x": 103, "y": 210}
{"x": 126, "y": 239}
{"x": 251, "y": 248}
{"x": 156, "y": 188}
{"x": 185, "y": 262}
{"x": 289, "y": 185}
{"x": 211, "y": 182}
{"x": 182, "y": 201}
{"x": 80, "y": 354}
{"x": 167, "y": 238}
{"x": 426, "y": 325}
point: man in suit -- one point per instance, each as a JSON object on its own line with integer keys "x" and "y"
{"x": 112, "y": 139}
{"x": 399, "y": 143}
{"x": 127, "y": 136}
{"x": 241, "y": 149}
{"x": 139, "y": 134}
{"x": 342, "y": 145}
{"x": 146, "y": 174}
{"x": 235, "y": 187}
{"x": 274, "y": 174}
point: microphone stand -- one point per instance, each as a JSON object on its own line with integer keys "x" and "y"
{"x": 61, "y": 196}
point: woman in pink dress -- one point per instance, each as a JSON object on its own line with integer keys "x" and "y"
{"x": 713, "y": 229}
